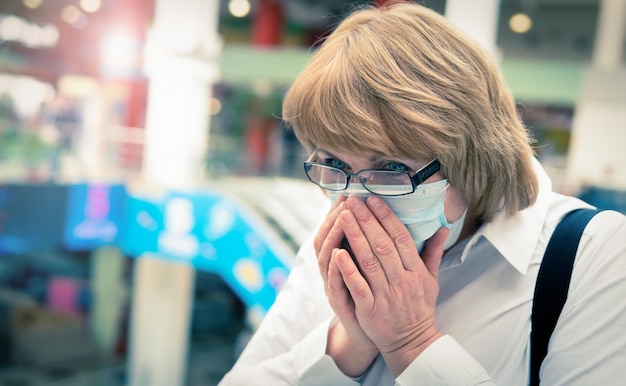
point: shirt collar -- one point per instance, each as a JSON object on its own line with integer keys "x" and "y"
{"x": 515, "y": 237}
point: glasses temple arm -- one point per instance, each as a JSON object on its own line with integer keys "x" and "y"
{"x": 424, "y": 173}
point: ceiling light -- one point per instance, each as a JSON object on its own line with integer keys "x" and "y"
{"x": 520, "y": 23}
{"x": 239, "y": 8}
{"x": 72, "y": 15}
{"x": 90, "y": 6}
{"x": 32, "y": 4}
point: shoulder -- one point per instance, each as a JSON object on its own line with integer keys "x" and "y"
{"x": 610, "y": 221}
{"x": 560, "y": 205}
{"x": 603, "y": 241}
{"x": 601, "y": 255}
{"x": 604, "y": 237}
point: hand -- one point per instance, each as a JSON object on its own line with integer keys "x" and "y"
{"x": 347, "y": 343}
{"x": 394, "y": 290}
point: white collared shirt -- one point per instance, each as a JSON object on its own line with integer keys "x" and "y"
{"x": 484, "y": 306}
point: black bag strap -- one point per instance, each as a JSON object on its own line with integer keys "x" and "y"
{"x": 553, "y": 282}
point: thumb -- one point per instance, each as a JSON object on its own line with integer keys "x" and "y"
{"x": 433, "y": 251}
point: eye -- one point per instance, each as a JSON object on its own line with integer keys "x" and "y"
{"x": 396, "y": 167}
{"x": 335, "y": 163}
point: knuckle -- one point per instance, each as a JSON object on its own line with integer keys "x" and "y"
{"x": 360, "y": 292}
{"x": 333, "y": 287}
{"x": 402, "y": 237}
{"x": 322, "y": 264}
{"x": 317, "y": 244}
{"x": 363, "y": 215}
{"x": 384, "y": 247}
{"x": 370, "y": 263}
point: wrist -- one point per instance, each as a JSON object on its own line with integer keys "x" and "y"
{"x": 351, "y": 356}
{"x": 398, "y": 360}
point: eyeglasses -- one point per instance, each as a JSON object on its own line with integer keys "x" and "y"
{"x": 378, "y": 181}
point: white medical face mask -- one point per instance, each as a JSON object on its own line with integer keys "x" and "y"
{"x": 421, "y": 211}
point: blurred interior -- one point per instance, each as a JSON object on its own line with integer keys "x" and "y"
{"x": 151, "y": 200}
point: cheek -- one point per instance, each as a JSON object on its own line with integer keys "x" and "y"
{"x": 454, "y": 205}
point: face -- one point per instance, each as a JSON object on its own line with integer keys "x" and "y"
{"x": 454, "y": 204}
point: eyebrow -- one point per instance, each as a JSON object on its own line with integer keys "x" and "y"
{"x": 373, "y": 159}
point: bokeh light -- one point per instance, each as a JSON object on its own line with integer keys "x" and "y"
{"x": 239, "y": 8}
{"x": 90, "y": 6}
{"x": 520, "y": 23}
{"x": 74, "y": 16}
{"x": 215, "y": 106}
{"x": 32, "y": 4}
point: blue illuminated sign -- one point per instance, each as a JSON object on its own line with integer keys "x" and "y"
{"x": 212, "y": 233}
{"x": 95, "y": 215}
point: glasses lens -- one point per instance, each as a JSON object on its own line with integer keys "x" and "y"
{"x": 325, "y": 176}
{"x": 386, "y": 183}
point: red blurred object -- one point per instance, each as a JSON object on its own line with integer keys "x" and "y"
{"x": 133, "y": 17}
{"x": 267, "y": 27}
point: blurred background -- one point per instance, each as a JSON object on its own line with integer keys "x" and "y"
{"x": 151, "y": 202}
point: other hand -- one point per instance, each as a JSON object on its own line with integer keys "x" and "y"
{"x": 347, "y": 343}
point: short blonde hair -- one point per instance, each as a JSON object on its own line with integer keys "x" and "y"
{"x": 402, "y": 81}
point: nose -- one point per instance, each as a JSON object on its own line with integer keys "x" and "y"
{"x": 362, "y": 180}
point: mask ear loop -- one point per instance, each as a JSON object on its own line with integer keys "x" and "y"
{"x": 456, "y": 228}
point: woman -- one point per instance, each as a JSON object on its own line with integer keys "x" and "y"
{"x": 425, "y": 273}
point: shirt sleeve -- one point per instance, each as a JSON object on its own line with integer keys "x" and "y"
{"x": 289, "y": 346}
{"x": 588, "y": 345}
{"x": 444, "y": 362}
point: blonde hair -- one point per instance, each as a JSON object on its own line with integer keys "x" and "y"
{"x": 402, "y": 81}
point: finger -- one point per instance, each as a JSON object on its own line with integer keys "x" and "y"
{"x": 433, "y": 251}
{"x": 368, "y": 264}
{"x": 381, "y": 244}
{"x": 360, "y": 291}
{"x": 337, "y": 292}
{"x": 330, "y": 219}
{"x": 322, "y": 243}
{"x": 398, "y": 233}
{"x": 333, "y": 240}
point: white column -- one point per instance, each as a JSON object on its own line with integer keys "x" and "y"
{"x": 596, "y": 152}
{"x": 107, "y": 284}
{"x": 181, "y": 63}
{"x": 608, "y": 48}
{"x": 479, "y": 18}
{"x": 159, "y": 338}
